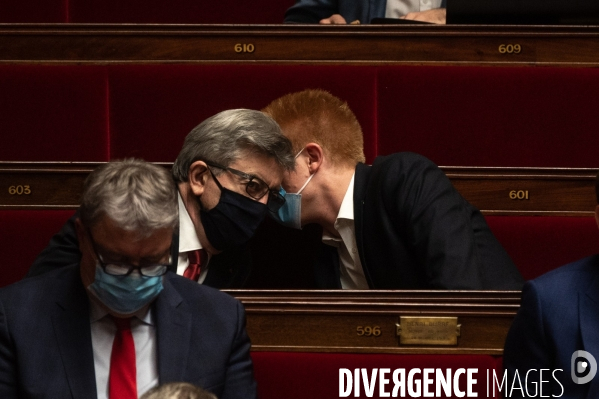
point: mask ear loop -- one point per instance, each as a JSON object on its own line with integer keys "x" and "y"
{"x": 215, "y": 179}
{"x": 306, "y": 183}
{"x": 309, "y": 178}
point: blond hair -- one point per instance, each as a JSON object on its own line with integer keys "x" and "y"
{"x": 177, "y": 390}
{"x": 318, "y": 116}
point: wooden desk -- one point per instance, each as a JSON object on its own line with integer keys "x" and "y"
{"x": 328, "y": 321}
{"x": 300, "y": 44}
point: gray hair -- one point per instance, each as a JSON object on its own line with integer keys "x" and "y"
{"x": 136, "y": 195}
{"x": 177, "y": 390}
{"x": 230, "y": 135}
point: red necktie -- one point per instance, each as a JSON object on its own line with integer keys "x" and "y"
{"x": 123, "y": 371}
{"x": 196, "y": 258}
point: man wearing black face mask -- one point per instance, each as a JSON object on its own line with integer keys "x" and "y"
{"x": 228, "y": 174}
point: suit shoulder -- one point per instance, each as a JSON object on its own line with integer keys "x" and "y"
{"x": 37, "y": 292}
{"x": 406, "y": 173}
{"x": 37, "y": 282}
{"x": 193, "y": 292}
{"x": 403, "y": 159}
{"x": 573, "y": 276}
{"x": 405, "y": 167}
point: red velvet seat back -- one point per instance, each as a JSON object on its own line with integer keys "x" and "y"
{"x": 540, "y": 244}
{"x": 23, "y": 236}
{"x": 490, "y": 116}
{"x": 523, "y": 117}
{"x": 153, "y": 107}
{"x": 33, "y": 11}
{"x": 179, "y": 11}
{"x": 53, "y": 113}
{"x": 144, "y": 11}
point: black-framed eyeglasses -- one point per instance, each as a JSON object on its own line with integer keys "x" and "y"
{"x": 255, "y": 187}
{"x": 125, "y": 269}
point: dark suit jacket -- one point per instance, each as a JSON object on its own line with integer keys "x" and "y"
{"x": 312, "y": 11}
{"x": 558, "y": 316}
{"x": 228, "y": 269}
{"x": 46, "y": 348}
{"x": 415, "y": 231}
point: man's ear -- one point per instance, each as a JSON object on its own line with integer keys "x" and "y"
{"x": 597, "y": 215}
{"x": 315, "y": 156}
{"x": 197, "y": 177}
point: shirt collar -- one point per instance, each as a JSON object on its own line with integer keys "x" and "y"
{"x": 188, "y": 238}
{"x": 96, "y": 313}
{"x": 347, "y": 205}
{"x": 346, "y": 212}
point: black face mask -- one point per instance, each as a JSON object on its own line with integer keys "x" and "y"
{"x": 233, "y": 221}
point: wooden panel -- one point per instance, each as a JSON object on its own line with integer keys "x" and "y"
{"x": 560, "y": 192}
{"x": 372, "y": 44}
{"x": 527, "y": 191}
{"x": 42, "y": 185}
{"x": 327, "y": 321}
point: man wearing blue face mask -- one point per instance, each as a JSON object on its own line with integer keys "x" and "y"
{"x": 119, "y": 323}
{"x": 398, "y": 224}
{"x": 228, "y": 175}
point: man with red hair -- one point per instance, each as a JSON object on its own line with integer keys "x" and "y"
{"x": 398, "y": 224}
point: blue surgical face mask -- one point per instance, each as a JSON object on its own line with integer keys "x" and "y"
{"x": 125, "y": 294}
{"x": 290, "y": 214}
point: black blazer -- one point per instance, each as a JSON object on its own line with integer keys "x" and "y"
{"x": 415, "y": 231}
{"x": 46, "y": 346}
{"x": 228, "y": 269}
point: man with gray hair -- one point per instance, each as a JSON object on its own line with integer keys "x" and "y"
{"x": 228, "y": 174}
{"x": 118, "y": 323}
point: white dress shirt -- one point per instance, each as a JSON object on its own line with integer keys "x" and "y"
{"x": 350, "y": 267}
{"x": 188, "y": 241}
{"x": 399, "y": 8}
{"x": 144, "y": 337}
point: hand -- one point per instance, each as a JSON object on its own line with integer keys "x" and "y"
{"x": 436, "y": 16}
{"x": 335, "y": 19}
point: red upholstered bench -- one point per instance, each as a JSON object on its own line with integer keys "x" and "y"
{"x": 23, "y": 235}
{"x": 538, "y": 244}
{"x": 460, "y": 116}
{"x": 454, "y": 115}
{"x": 95, "y": 113}
{"x": 53, "y": 113}
{"x": 153, "y": 107}
{"x": 295, "y": 375}
{"x": 144, "y": 11}
{"x": 33, "y": 11}
{"x": 490, "y": 116}
{"x": 179, "y": 12}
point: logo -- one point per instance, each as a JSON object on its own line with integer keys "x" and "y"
{"x": 584, "y": 367}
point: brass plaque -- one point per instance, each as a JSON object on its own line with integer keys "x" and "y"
{"x": 413, "y": 330}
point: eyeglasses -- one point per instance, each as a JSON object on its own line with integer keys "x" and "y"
{"x": 255, "y": 187}
{"x": 125, "y": 269}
